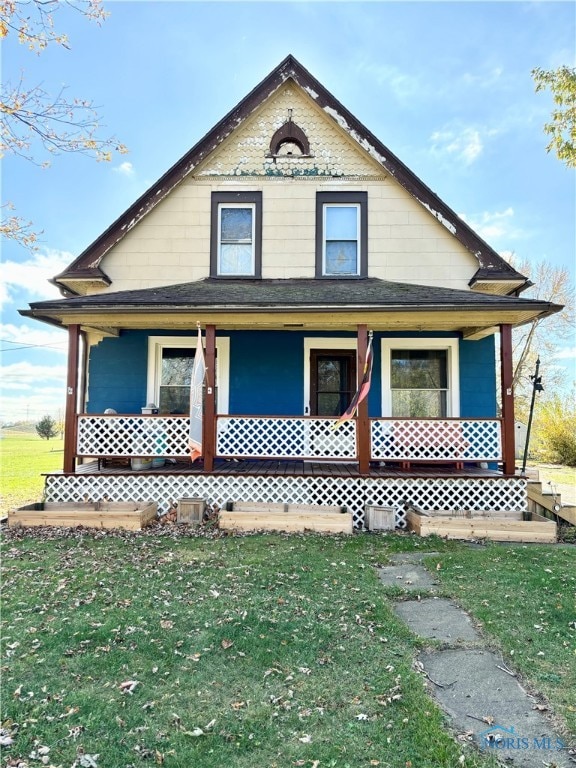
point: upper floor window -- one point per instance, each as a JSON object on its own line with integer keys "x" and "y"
{"x": 236, "y": 234}
{"x": 341, "y": 234}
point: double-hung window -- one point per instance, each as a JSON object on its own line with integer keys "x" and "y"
{"x": 236, "y": 236}
{"x": 341, "y": 234}
{"x": 170, "y": 362}
{"x": 420, "y": 378}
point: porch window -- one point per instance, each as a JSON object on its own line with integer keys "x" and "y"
{"x": 420, "y": 378}
{"x": 236, "y": 238}
{"x": 170, "y": 361}
{"x": 341, "y": 234}
{"x": 174, "y": 390}
{"x": 419, "y": 383}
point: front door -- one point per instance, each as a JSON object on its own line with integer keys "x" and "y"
{"x": 332, "y": 381}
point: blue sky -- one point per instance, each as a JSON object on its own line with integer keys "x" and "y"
{"x": 446, "y": 86}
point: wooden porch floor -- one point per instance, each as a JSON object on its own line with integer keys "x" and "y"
{"x": 283, "y": 469}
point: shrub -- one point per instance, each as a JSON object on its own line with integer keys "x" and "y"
{"x": 555, "y": 430}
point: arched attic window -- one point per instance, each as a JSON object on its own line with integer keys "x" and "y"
{"x": 289, "y": 140}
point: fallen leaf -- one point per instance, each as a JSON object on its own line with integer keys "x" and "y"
{"x": 128, "y": 686}
{"x": 488, "y": 719}
{"x": 88, "y": 761}
{"x": 226, "y": 643}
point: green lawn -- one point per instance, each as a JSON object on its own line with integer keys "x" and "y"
{"x": 524, "y": 596}
{"x": 23, "y": 459}
{"x": 250, "y": 651}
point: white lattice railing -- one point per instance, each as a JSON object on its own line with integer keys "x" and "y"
{"x": 132, "y": 435}
{"x": 436, "y": 439}
{"x": 285, "y": 437}
{"x": 269, "y": 437}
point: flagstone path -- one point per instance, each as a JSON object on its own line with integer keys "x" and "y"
{"x": 472, "y": 684}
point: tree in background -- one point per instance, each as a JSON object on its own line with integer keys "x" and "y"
{"x": 555, "y": 430}
{"x": 562, "y": 128}
{"x": 35, "y": 123}
{"x": 541, "y": 337}
{"x": 47, "y": 428}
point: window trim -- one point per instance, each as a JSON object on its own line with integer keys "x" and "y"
{"x": 451, "y": 346}
{"x": 236, "y": 200}
{"x": 359, "y": 199}
{"x": 156, "y": 344}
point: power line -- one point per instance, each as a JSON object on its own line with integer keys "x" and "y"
{"x": 25, "y": 346}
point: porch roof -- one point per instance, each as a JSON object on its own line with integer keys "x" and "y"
{"x": 237, "y": 303}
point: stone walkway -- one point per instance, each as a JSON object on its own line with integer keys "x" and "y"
{"x": 480, "y": 695}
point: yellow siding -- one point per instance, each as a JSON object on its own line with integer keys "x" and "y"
{"x": 171, "y": 244}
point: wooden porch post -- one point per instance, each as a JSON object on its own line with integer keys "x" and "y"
{"x": 363, "y": 422}
{"x": 209, "y": 437}
{"x": 71, "y": 398}
{"x": 507, "y": 394}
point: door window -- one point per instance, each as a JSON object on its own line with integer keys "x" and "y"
{"x": 333, "y": 381}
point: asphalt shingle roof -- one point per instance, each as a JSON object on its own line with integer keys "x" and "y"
{"x": 217, "y": 293}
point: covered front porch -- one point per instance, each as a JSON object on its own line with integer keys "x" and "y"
{"x": 435, "y": 465}
{"x": 275, "y": 448}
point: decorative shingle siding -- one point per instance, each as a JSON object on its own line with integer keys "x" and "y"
{"x": 332, "y": 152}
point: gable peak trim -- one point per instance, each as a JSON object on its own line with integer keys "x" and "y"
{"x": 289, "y": 68}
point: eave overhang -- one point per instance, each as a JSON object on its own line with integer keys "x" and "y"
{"x": 293, "y": 305}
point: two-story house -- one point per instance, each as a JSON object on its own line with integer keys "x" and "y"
{"x": 293, "y": 237}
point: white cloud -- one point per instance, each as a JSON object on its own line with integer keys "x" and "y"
{"x": 32, "y": 274}
{"x": 30, "y": 391}
{"x": 27, "y": 376}
{"x": 33, "y": 406}
{"x": 483, "y": 80}
{"x": 465, "y": 144}
{"x": 125, "y": 168}
{"x": 402, "y": 85}
{"x": 493, "y": 225}
{"x": 13, "y": 336}
{"x": 568, "y": 353}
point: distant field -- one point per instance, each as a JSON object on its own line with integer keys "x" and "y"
{"x": 23, "y": 459}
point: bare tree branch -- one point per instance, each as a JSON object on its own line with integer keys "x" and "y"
{"x": 32, "y": 121}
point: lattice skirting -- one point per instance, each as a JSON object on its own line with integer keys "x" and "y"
{"x": 457, "y": 494}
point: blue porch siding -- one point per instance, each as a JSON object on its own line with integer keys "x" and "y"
{"x": 117, "y": 373}
{"x": 478, "y": 378}
{"x": 267, "y": 372}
